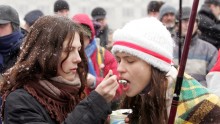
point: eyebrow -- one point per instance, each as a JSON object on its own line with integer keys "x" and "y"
{"x": 127, "y": 56}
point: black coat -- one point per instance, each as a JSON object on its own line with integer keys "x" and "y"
{"x": 209, "y": 26}
{"x": 22, "y": 108}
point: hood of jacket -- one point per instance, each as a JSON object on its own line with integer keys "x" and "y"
{"x": 85, "y": 20}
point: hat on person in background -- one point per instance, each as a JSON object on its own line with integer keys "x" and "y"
{"x": 216, "y": 2}
{"x": 8, "y": 14}
{"x": 32, "y": 16}
{"x": 98, "y": 13}
{"x": 60, "y": 5}
{"x": 86, "y": 23}
{"x": 154, "y": 6}
{"x": 147, "y": 39}
{"x": 166, "y": 8}
{"x": 186, "y": 11}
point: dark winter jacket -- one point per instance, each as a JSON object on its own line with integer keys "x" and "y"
{"x": 209, "y": 26}
{"x": 103, "y": 36}
{"x": 201, "y": 58}
{"x": 22, "y": 108}
{"x": 10, "y": 54}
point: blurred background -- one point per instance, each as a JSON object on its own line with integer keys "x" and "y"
{"x": 118, "y": 11}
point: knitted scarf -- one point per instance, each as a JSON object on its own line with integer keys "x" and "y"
{"x": 90, "y": 49}
{"x": 58, "y": 96}
{"x": 9, "y": 44}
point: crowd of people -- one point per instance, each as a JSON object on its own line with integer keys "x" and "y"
{"x": 57, "y": 69}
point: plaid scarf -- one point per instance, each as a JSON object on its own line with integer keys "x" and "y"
{"x": 197, "y": 105}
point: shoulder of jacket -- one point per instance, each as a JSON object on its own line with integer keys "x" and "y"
{"x": 21, "y": 94}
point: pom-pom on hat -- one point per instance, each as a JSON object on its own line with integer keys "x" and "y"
{"x": 147, "y": 39}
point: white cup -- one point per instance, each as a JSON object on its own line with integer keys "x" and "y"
{"x": 117, "y": 117}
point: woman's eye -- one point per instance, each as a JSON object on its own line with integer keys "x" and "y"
{"x": 130, "y": 60}
{"x": 118, "y": 60}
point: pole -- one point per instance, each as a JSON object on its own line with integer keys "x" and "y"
{"x": 180, "y": 29}
{"x": 179, "y": 80}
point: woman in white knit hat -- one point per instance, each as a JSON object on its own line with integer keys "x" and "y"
{"x": 144, "y": 51}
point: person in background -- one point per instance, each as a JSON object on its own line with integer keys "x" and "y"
{"x": 202, "y": 55}
{"x": 11, "y": 37}
{"x": 100, "y": 60}
{"x": 31, "y": 17}
{"x": 110, "y": 41}
{"x": 209, "y": 23}
{"x": 153, "y": 8}
{"x": 61, "y": 7}
{"x": 101, "y": 27}
{"x": 144, "y": 51}
{"x": 167, "y": 17}
{"x": 46, "y": 83}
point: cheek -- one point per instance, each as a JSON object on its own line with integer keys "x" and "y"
{"x": 62, "y": 66}
{"x": 143, "y": 76}
{"x": 65, "y": 65}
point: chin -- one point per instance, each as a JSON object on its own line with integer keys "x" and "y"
{"x": 70, "y": 78}
{"x": 130, "y": 94}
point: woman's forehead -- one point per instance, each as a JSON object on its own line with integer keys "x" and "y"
{"x": 71, "y": 38}
{"x": 124, "y": 54}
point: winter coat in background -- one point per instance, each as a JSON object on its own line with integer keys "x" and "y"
{"x": 102, "y": 59}
{"x": 209, "y": 25}
{"x": 23, "y": 108}
{"x": 109, "y": 63}
{"x": 9, "y": 50}
{"x": 213, "y": 78}
{"x": 201, "y": 58}
{"x": 103, "y": 36}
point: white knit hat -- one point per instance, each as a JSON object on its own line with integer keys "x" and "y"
{"x": 148, "y": 39}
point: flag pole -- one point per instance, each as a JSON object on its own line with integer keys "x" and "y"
{"x": 179, "y": 80}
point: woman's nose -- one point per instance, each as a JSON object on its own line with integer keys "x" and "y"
{"x": 77, "y": 58}
{"x": 120, "y": 68}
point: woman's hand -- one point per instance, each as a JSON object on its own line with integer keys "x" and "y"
{"x": 107, "y": 88}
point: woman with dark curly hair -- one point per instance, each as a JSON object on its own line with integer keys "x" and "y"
{"x": 47, "y": 82}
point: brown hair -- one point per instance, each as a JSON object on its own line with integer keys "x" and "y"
{"x": 149, "y": 107}
{"x": 40, "y": 51}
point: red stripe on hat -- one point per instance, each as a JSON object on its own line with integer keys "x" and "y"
{"x": 142, "y": 49}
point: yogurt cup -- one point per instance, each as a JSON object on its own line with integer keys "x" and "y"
{"x": 118, "y": 116}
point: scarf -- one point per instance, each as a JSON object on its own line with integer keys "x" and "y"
{"x": 8, "y": 45}
{"x": 90, "y": 49}
{"x": 58, "y": 96}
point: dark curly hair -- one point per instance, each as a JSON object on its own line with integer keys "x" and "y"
{"x": 40, "y": 51}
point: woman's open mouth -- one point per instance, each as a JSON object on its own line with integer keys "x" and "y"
{"x": 125, "y": 84}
